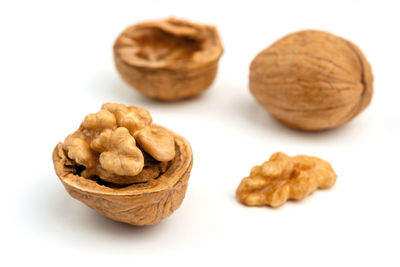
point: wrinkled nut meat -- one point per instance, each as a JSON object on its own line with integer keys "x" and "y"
{"x": 168, "y": 59}
{"x": 312, "y": 80}
{"x": 122, "y": 165}
{"x": 282, "y": 178}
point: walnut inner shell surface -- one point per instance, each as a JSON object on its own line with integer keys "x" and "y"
{"x": 169, "y": 44}
{"x": 157, "y": 45}
{"x": 168, "y": 59}
{"x": 312, "y": 80}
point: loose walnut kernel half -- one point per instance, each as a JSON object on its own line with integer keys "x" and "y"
{"x": 282, "y": 178}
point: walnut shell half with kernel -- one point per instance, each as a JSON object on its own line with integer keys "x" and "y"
{"x": 137, "y": 180}
{"x": 312, "y": 80}
{"x": 168, "y": 59}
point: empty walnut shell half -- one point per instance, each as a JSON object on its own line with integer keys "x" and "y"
{"x": 168, "y": 59}
{"x": 312, "y": 80}
{"x": 138, "y": 199}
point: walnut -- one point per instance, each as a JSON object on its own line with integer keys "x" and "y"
{"x": 132, "y": 118}
{"x": 157, "y": 142}
{"x": 168, "y": 59}
{"x": 118, "y": 152}
{"x": 102, "y": 165}
{"x": 312, "y": 80}
{"x": 101, "y": 120}
{"x": 79, "y": 150}
{"x": 282, "y": 178}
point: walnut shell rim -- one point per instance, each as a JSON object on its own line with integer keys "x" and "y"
{"x": 137, "y": 204}
{"x": 312, "y": 80}
{"x": 170, "y": 80}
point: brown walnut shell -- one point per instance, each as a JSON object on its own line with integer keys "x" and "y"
{"x": 312, "y": 80}
{"x": 168, "y": 59}
{"x": 144, "y": 203}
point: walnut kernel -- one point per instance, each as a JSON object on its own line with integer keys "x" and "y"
{"x": 118, "y": 152}
{"x": 105, "y": 146}
{"x": 157, "y": 142}
{"x": 282, "y": 178}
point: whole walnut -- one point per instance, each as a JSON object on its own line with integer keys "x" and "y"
{"x": 312, "y": 80}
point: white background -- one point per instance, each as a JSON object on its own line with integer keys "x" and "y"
{"x": 56, "y": 66}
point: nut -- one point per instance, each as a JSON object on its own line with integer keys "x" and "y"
{"x": 168, "y": 59}
{"x": 79, "y": 150}
{"x": 102, "y": 165}
{"x": 157, "y": 142}
{"x": 132, "y": 118}
{"x": 102, "y": 120}
{"x": 105, "y": 147}
{"x": 312, "y": 80}
{"x": 118, "y": 152}
{"x": 282, "y": 178}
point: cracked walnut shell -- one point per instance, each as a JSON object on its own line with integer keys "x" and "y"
{"x": 282, "y": 178}
{"x": 168, "y": 59}
{"x": 103, "y": 165}
{"x": 312, "y": 80}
